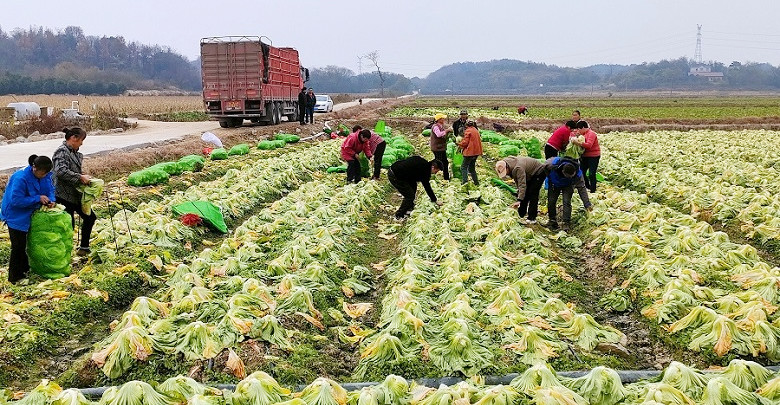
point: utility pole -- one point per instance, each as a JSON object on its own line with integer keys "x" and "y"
{"x": 697, "y": 53}
{"x": 360, "y": 65}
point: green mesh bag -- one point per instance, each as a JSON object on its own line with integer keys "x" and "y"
{"x": 287, "y": 138}
{"x": 426, "y": 132}
{"x": 240, "y": 149}
{"x": 210, "y": 213}
{"x": 219, "y": 154}
{"x": 508, "y": 150}
{"x": 388, "y": 160}
{"x": 147, "y": 177}
{"x": 337, "y": 169}
{"x": 50, "y": 242}
{"x": 266, "y": 145}
{"x": 516, "y": 142}
{"x": 533, "y": 148}
{"x": 364, "y": 166}
{"x": 192, "y": 163}
{"x": 172, "y": 168}
{"x": 457, "y": 163}
{"x": 502, "y": 184}
{"x": 279, "y": 143}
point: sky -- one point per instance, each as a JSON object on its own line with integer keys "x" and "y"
{"x": 416, "y": 37}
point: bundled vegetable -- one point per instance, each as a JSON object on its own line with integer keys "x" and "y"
{"x": 192, "y": 163}
{"x": 50, "y": 242}
{"x": 219, "y": 154}
{"x": 147, "y": 177}
{"x": 90, "y": 193}
{"x": 240, "y": 149}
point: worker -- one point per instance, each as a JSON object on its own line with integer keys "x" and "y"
{"x": 590, "y": 155}
{"x": 68, "y": 175}
{"x": 302, "y": 101}
{"x": 377, "y": 146}
{"x": 472, "y": 150}
{"x": 459, "y": 126}
{"x": 576, "y": 116}
{"x": 360, "y": 101}
{"x": 26, "y": 191}
{"x": 404, "y": 176}
{"x": 311, "y": 101}
{"x": 355, "y": 143}
{"x": 559, "y": 139}
{"x": 563, "y": 175}
{"x": 438, "y": 142}
{"x": 522, "y": 110}
{"x": 528, "y": 174}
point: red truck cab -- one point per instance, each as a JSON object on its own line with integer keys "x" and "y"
{"x": 246, "y": 78}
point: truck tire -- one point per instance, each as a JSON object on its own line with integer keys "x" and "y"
{"x": 224, "y": 123}
{"x": 294, "y": 116}
{"x": 236, "y": 122}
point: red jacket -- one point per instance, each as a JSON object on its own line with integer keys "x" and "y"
{"x": 471, "y": 143}
{"x": 352, "y": 147}
{"x": 591, "y": 145}
{"x": 560, "y": 138}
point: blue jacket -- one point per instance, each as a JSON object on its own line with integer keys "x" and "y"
{"x": 556, "y": 178}
{"x": 23, "y": 196}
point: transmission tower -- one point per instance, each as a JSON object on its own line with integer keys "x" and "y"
{"x": 360, "y": 65}
{"x": 697, "y": 53}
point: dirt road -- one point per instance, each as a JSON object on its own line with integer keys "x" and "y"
{"x": 15, "y": 155}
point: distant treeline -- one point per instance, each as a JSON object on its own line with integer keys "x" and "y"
{"x": 39, "y": 60}
{"x": 336, "y": 79}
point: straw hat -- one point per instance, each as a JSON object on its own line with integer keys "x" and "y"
{"x": 439, "y": 116}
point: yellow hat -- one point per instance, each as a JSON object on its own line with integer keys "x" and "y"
{"x": 501, "y": 168}
{"x": 439, "y": 116}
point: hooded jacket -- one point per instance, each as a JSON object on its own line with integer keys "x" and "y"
{"x": 556, "y": 177}
{"x": 23, "y": 196}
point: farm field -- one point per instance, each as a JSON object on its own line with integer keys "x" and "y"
{"x": 132, "y": 106}
{"x": 315, "y": 288}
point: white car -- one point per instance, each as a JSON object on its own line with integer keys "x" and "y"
{"x": 324, "y": 104}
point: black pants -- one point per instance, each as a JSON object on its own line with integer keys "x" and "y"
{"x": 18, "y": 266}
{"x": 408, "y": 190}
{"x": 549, "y": 151}
{"x": 353, "y": 171}
{"x": 589, "y": 166}
{"x": 378, "y": 154}
{"x": 530, "y": 204}
{"x": 552, "y": 202}
{"x": 310, "y": 114}
{"x": 442, "y": 156}
{"x": 87, "y": 221}
{"x": 469, "y": 167}
{"x": 302, "y": 114}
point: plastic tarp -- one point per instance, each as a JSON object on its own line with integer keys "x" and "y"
{"x": 210, "y": 213}
{"x": 502, "y": 184}
{"x": 211, "y": 138}
{"x": 50, "y": 242}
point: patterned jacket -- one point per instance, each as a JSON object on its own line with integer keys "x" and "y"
{"x": 67, "y": 173}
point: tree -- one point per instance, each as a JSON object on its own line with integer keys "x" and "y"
{"x": 374, "y": 58}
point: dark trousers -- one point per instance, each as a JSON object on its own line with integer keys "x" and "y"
{"x": 442, "y": 156}
{"x": 378, "y": 154}
{"x": 408, "y": 190}
{"x": 530, "y": 204}
{"x": 18, "y": 266}
{"x": 310, "y": 114}
{"x": 549, "y": 151}
{"x": 302, "y": 114}
{"x": 589, "y": 166}
{"x": 353, "y": 171}
{"x": 87, "y": 221}
{"x": 469, "y": 166}
{"x": 552, "y": 202}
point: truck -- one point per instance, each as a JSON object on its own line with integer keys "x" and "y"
{"x": 246, "y": 78}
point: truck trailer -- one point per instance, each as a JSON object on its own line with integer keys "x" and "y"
{"x": 246, "y": 78}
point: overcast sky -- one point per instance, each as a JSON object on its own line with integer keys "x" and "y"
{"x": 416, "y": 37}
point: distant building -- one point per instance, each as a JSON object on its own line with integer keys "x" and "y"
{"x": 706, "y": 71}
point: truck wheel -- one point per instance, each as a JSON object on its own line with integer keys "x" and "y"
{"x": 236, "y": 122}
{"x": 223, "y": 123}
{"x": 294, "y": 116}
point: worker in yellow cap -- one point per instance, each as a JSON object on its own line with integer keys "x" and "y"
{"x": 439, "y": 142}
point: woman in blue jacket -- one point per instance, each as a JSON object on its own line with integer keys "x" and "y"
{"x": 26, "y": 191}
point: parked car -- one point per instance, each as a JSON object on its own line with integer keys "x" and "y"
{"x": 324, "y": 103}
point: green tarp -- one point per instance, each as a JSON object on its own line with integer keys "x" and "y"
{"x": 210, "y": 213}
{"x": 50, "y": 243}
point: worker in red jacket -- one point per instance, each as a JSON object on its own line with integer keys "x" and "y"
{"x": 355, "y": 143}
{"x": 522, "y": 110}
{"x": 557, "y": 142}
{"x": 591, "y": 156}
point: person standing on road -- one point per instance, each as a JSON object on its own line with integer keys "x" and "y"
{"x": 557, "y": 142}
{"x": 528, "y": 174}
{"x": 404, "y": 176}
{"x": 67, "y": 177}
{"x": 355, "y": 143}
{"x": 302, "y": 102}
{"x": 564, "y": 175}
{"x": 377, "y": 145}
{"x": 590, "y": 156}
{"x": 472, "y": 150}
{"x": 27, "y": 190}
{"x": 438, "y": 142}
{"x": 311, "y": 101}
{"x": 459, "y": 126}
